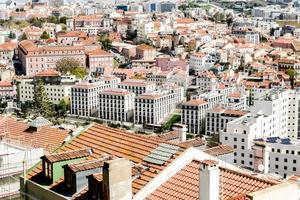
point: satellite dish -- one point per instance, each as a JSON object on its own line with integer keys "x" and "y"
{"x": 261, "y": 167}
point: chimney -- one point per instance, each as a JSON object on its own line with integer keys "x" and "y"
{"x": 209, "y": 180}
{"x": 117, "y": 180}
{"x": 181, "y": 130}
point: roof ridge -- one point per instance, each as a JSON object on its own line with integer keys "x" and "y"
{"x": 243, "y": 173}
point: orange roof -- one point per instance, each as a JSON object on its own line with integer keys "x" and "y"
{"x": 195, "y": 102}
{"x": 219, "y": 150}
{"x": 6, "y": 84}
{"x": 235, "y": 95}
{"x": 8, "y": 46}
{"x": 116, "y": 91}
{"x": 46, "y": 137}
{"x": 184, "y": 20}
{"x": 145, "y": 47}
{"x": 115, "y": 142}
{"x": 48, "y": 72}
{"x": 72, "y": 34}
{"x": 185, "y": 184}
{"x": 98, "y": 52}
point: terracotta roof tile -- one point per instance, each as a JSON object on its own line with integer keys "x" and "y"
{"x": 45, "y": 137}
{"x": 194, "y": 102}
{"x": 219, "y": 150}
{"x": 56, "y": 157}
{"x": 185, "y": 184}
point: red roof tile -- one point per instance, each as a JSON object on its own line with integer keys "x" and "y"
{"x": 185, "y": 184}
{"x": 46, "y": 137}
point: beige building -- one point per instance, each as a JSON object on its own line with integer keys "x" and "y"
{"x": 145, "y": 52}
{"x": 36, "y": 58}
{"x": 56, "y": 87}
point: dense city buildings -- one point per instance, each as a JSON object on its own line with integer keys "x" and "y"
{"x": 154, "y": 99}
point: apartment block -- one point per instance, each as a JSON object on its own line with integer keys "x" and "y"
{"x": 153, "y": 107}
{"x": 57, "y": 87}
{"x": 85, "y": 98}
{"x": 116, "y": 105}
{"x": 217, "y": 119}
{"x": 193, "y": 115}
{"x": 137, "y": 86}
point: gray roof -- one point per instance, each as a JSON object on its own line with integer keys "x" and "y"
{"x": 39, "y": 122}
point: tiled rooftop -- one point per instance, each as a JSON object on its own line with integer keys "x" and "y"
{"x": 46, "y": 137}
{"x": 185, "y": 184}
{"x": 62, "y": 156}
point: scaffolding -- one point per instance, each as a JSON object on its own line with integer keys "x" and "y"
{"x": 16, "y": 156}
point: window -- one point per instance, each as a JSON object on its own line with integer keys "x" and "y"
{"x": 285, "y": 167}
{"x": 294, "y": 161}
{"x": 243, "y": 140}
{"x": 234, "y": 160}
{"x": 243, "y": 147}
{"x": 294, "y": 169}
{"x": 226, "y": 138}
{"x": 235, "y": 139}
{"x": 276, "y": 166}
{"x": 242, "y": 154}
{"x": 277, "y": 159}
{"x": 278, "y": 150}
{"x": 242, "y": 162}
{"x": 285, "y": 160}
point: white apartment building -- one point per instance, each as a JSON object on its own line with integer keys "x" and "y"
{"x": 116, "y": 105}
{"x": 56, "y": 87}
{"x": 217, "y": 119}
{"x": 268, "y": 118}
{"x": 275, "y": 106}
{"x": 137, "y": 86}
{"x": 277, "y": 155}
{"x": 85, "y": 98}
{"x": 236, "y": 101}
{"x": 153, "y": 107}
{"x": 193, "y": 115}
{"x": 294, "y": 114}
{"x": 197, "y": 62}
{"x": 247, "y": 34}
{"x": 111, "y": 81}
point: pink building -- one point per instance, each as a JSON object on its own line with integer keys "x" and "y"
{"x": 35, "y": 58}
{"x": 167, "y": 64}
{"x": 99, "y": 58}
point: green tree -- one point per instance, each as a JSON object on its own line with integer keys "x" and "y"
{"x": 79, "y": 72}
{"x": 71, "y": 66}
{"x": 12, "y": 35}
{"x": 65, "y": 65}
{"x": 23, "y": 37}
{"x": 62, "y": 107}
{"x": 63, "y": 20}
{"x": 293, "y": 74}
{"x": 45, "y": 36}
{"x": 53, "y": 19}
{"x": 191, "y": 46}
{"x": 41, "y": 101}
{"x": 105, "y": 41}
